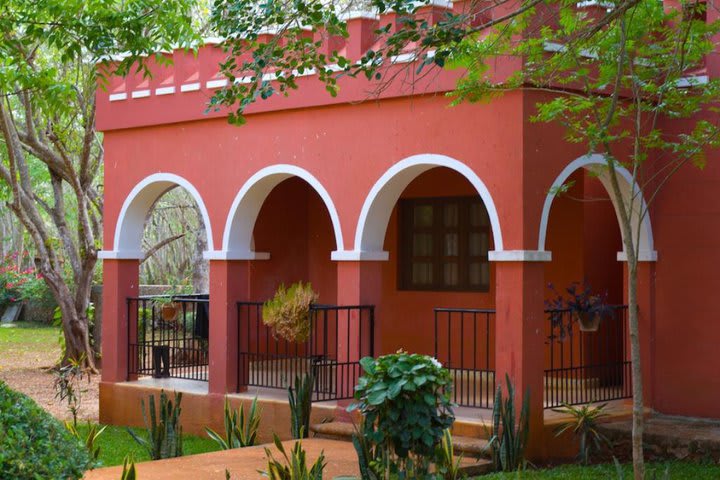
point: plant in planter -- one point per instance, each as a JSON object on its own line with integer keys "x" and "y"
{"x": 166, "y": 303}
{"x": 288, "y": 312}
{"x": 586, "y": 307}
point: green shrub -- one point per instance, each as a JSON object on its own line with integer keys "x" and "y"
{"x": 405, "y": 399}
{"x": 288, "y": 313}
{"x": 33, "y": 444}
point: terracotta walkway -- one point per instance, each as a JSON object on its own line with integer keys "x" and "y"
{"x": 243, "y": 463}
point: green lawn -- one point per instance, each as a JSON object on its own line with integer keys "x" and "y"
{"x": 116, "y": 442}
{"x": 677, "y": 471}
{"x": 28, "y": 336}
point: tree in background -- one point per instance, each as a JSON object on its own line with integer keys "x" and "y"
{"x": 51, "y": 156}
{"x": 620, "y": 74}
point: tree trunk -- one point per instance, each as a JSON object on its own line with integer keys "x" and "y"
{"x": 77, "y": 336}
{"x": 637, "y": 382}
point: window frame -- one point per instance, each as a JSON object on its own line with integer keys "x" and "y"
{"x": 407, "y": 230}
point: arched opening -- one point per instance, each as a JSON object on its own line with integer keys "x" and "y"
{"x": 164, "y": 224}
{"x": 435, "y": 222}
{"x": 295, "y": 228}
{"x": 376, "y": 211}
{"x": 238, "y": 240}
{"x": 284, "y": 218}
{"x": 586, "y": 363}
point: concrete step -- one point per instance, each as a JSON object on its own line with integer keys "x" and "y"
{"x": 469, "y": 446}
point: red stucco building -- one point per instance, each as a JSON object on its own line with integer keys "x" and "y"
{"x": 434, "y": 221}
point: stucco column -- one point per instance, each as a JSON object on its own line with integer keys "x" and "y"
{"x": 646, "y": 318}
{"x": 120, "y": 281}
{"x": 229, "y": 281}
{"x": 520, "y": 339}
{"x": 359, "y": 283}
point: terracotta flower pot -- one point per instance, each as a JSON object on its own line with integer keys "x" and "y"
{"x": 588, "y": 321}
{"x": 169, "y": 312}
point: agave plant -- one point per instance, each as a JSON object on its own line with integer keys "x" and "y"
{"x": 163, "y": 428}
{"x": 445, "y": 460}
{"x": 240, "y": 430}
{"x": 584, "y": 425}
{"x": 295, "y": 466}
{"x": 301, "y": 405}
{"x": 508, "y": 437}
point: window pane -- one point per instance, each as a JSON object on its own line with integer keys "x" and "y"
{"x": 422, "y": 273}
{"x": 423, "y": 216}
{"x": 450, "y": 274}
{"x": 422, "y": 245}
{"x": 450, "y": 215}
{"x": 478, "y": 244}
{"x": 451, "y": 245}
{"x": 474, "y": 276}
{"x": 478, "y": 215}
{"x": 479, "y": 273}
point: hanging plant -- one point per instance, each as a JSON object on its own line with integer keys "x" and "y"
{"x": 586, "y": 307}
{"x": 288, "y": 312}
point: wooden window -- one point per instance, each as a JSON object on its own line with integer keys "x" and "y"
{"x": 443, "y": 244}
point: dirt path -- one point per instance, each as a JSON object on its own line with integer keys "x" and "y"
{"x": 25, "y": 362}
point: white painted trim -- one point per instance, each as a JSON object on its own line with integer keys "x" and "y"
{"x": 190, "y": 87}
{"x": 131, "y": 220}
{"x": 358, "y": 14}
{"x": 588, "y": 161}
{"x": 245, "y": 208}
{"x": 643, "y": 256}
{"x": 403, "y": 58}
{"x": 140, "y": 93}
{"x": 164, "y": 91}
{"x": 126, "y": 255}
{"x": 213, "y": 40}
{"x": 375, "y": 214}
{"x": 687, "y": 82}
{"x": 519, "y": 256}
{"x": 216, "y": 83}
{"x": 355, "y": 256}
{"x": 247, "y": 255}
{"x": 116, "y": 97}
{"x": 435, "y": 3}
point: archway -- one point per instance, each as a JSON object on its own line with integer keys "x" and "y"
{"x": 238, "y": 236}
{"x": 167, "y": 329}
{"x": 375, "y": 213}
{"x": 630, "y": 191}
{"x": 127, "y": 242}
{"x": 434, "y": 223}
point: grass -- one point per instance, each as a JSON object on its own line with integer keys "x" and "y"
{"x": 655, "y": 471}
{"x": 28, "y": 336}
{"x": 115, "y": 443}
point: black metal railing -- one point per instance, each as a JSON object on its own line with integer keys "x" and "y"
{"x": 339, "y": 337}
{"x": 586, "y": 367}
{"x": 168, "y": 336}
{"x": 464, "y": 344}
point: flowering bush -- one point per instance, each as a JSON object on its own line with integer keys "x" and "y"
{"x": 13, "y": 278}
{"x": 18, "y": 283}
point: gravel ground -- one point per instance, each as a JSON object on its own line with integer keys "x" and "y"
{"x": 26, "y": 367}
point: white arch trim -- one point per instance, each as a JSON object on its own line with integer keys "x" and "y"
{"x": 594, "y": 161}
{"x": 239, "y": 226}
{"x": 127, "y": 243}
{"x": 378, "y": 206}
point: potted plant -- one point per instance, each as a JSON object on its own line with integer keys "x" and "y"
{"x": 586, "y": 307}
{"x": 288, "y": 312}
{"x": 166, "y": 302}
